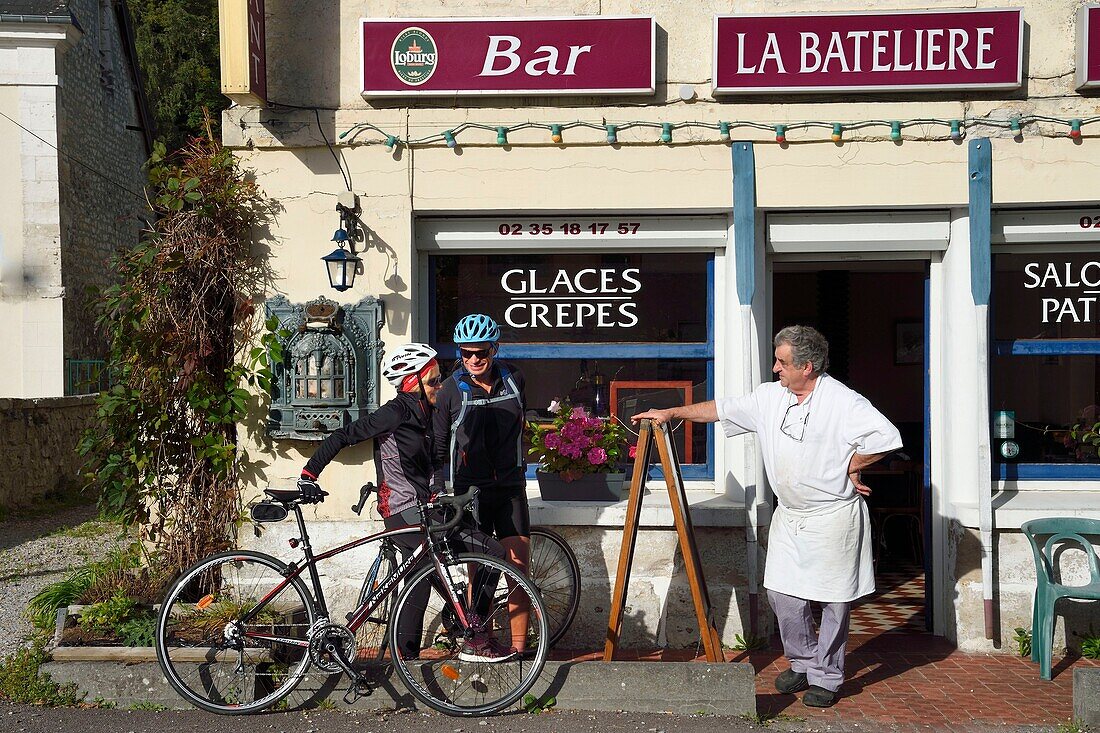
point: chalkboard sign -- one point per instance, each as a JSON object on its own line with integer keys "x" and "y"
{"x": 629, "y": 397}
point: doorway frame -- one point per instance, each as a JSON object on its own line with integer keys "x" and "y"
{"x": 933, "y": 286}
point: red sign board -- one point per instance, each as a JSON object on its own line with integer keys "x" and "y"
{"x": 495, "y": 56}
{"x": 257, "y": 49}
{"x": 868, "y": 52}
{"x": 1088, "y": 47}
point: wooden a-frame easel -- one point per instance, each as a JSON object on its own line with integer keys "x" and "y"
{"x": 674, "y": 479}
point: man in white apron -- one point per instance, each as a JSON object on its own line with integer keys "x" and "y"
{"x": 816, "y": 435}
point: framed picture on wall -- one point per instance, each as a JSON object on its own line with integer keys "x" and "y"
{"x": 908, "y": 342}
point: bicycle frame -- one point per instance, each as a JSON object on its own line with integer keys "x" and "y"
{"x": 384, "y": 587}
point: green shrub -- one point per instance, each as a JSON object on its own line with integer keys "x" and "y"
{"x": 1090, "y": 646}
{"x": 22, "y": 682}
{"x": 110, "y": 614}
{"x": 140, "y": 631}
{"x": 1023, "y": 641}
{"x": 96, "y": 581}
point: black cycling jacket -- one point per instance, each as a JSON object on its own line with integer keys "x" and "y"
{"x": 403, "y": 454}
{"x": 481, "y": 437}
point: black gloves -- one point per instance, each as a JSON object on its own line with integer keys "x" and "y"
{"x": 310, "y": 490}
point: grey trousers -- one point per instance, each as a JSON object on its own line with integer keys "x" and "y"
{"x": 819, "y": 655}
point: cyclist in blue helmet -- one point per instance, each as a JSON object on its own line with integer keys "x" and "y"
{"x": 477, "y": 428}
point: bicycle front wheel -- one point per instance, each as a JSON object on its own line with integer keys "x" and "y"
{"x": 554, "y": 570}
{"x": 229, "y": 639}
{"x": 371, "y": 638}
{"x": 466, "y": 661}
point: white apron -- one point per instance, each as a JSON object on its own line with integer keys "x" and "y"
{"x": 819, "y": 546}
{"x": 821, "y": 554}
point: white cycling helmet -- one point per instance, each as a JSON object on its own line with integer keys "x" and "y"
{"x": 406, "y": 360}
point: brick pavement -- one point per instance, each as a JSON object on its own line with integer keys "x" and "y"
{"x": 911, "y": 681}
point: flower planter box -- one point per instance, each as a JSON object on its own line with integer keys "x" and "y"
{"x": 588, "y": 487}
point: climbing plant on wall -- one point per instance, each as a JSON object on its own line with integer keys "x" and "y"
{"x": 183, "y": 346}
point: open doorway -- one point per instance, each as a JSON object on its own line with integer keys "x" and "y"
{"x": 873, "y": 315}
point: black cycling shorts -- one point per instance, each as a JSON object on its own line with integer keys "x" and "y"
{"x": 504, "y": 512}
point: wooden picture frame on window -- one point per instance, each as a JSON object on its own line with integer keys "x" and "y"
{"x": 638, "y": 395}
{"x": 908, "y": 342}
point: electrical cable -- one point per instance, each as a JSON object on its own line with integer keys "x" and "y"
{"x": 339, "y": 164}
{"x": 955, "y": 128}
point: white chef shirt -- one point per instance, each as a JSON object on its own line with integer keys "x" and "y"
{"x": 819, "y": 543}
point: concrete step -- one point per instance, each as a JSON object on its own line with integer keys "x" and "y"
{"x": 130, "y": 677}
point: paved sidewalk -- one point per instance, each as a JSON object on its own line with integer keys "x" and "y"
{"x": 915, "y": 681}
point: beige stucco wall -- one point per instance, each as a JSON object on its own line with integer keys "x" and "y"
{"x": 11, "y": 244}
{"x": 866, "y": 172}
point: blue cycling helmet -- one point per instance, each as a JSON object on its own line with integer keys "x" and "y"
{"x": 477, "y": 328}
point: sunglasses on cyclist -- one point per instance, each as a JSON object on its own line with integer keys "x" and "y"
{"x": 478, "y": 353}
{"x": 433, "y": 382}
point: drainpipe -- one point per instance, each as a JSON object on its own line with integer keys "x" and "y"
{"x": 744, "y": 245}
{"x": 981, "y": 203}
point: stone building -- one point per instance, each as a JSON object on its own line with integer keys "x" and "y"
{"x": 649, "y": 191}
{"x": 77, "y": 131}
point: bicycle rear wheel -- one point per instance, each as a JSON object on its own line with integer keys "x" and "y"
{"x": 218, "y": 629}
{"x": 372, "y": 637}
{"x": 554, "y": 570}
{"x": 454, "y": 671}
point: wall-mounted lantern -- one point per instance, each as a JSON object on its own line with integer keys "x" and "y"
{"x": 341, "y": 264}
{"x": 329, "y": 374}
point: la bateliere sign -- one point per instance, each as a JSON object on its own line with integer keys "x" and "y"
{"x": 868, "y": 52}
{"x": 496, "y": 56}
{"x": 1088, "y": 47}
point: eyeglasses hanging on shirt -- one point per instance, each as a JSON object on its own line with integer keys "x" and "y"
{"x": 794, "y": 423}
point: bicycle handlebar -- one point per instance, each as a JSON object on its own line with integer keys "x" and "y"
{"x": 459, "y": 502}
{"x": 364, "y": 493}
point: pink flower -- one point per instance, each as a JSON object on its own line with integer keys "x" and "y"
{"x": 596, "y": 456}
{"x": 572, "y": 431}
{"x": 578, "y": 412}
{"x": 633, "y": 450}
{"x": 552, "y": 441}
{"x": 572, "y": 450}
{"x": 593, "y": 422}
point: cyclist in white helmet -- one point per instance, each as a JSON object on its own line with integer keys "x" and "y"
{"x": 403, "y": 456}
{"x": 478, "y": 435}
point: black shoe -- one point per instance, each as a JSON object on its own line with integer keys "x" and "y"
{"x": 819, "y": 697}
{"x": 790, "y": 682}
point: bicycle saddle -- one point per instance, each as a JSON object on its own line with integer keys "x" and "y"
{"x": 284, "y": 496}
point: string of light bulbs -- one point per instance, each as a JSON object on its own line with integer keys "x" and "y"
{"x": 956, "y": 129}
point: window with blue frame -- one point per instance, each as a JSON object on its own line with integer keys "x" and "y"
{"x": 1045, "y": 370}
{"x": 631, "y": 328}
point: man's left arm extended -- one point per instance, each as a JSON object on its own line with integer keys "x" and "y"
{"x": 856, "y": 466}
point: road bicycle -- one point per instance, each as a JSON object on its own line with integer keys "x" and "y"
{"x": 238, "y": 631}
{"x": 552, "y": 567}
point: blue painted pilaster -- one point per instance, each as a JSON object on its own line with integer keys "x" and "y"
{"x": 981, "y": 215}
{"x": 744, "y": 220}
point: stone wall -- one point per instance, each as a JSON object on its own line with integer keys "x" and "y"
{"x": 38, "y": 440}
{"x": 1013, "y": 592}
{"x": 659, "y": 609}
{"x": 101, "y": 196}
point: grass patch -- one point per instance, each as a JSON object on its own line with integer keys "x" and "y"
{"x": 157, "y": 707}
{"x": 765, "y": 718}
{"x": 87, "y": 530}
{"x": 21, "y": 680}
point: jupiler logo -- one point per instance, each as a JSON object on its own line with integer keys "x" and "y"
{"x": 413, "y": 56}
